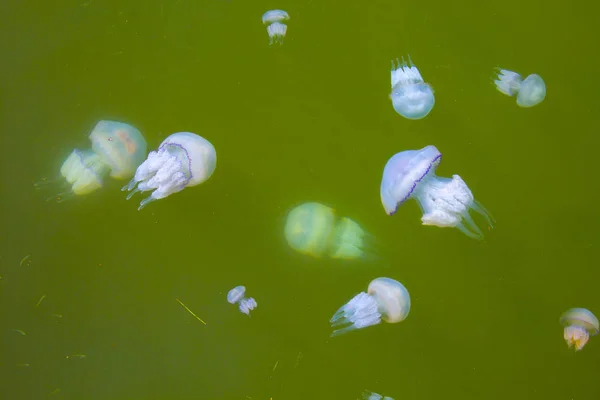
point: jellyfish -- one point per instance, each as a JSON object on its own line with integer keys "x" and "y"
{"x": 314, "y": 229}
{"x": 411, "y": 96}
{"x": 579, "y": 324}
{"x": 276, "y": 28}
{"x": 530, "y": 91}
{"x": 117, "y": 150}
{"x": 445, "y": 202}
{"x": 386, "y": 299}
{"x": 368, "y": 395}
{"x": 236, "y": 295}
{"x": 182, "y": 160}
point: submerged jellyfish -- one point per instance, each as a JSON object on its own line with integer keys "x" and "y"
{"x": 117, "y": 150}
{"x": 386, "y": 299}
{"x": 411, "y": 96}
{"x": 182, "y": 160}
{"x": 274, "y": 21}
{"x": 368, "y": 395}
{"x": 530, "y": 91}
{"x": 579, "y": 324}
{"x": 445, "y": 202}
{"x": 315, "y": 230}
{"x": 236, "y": 295}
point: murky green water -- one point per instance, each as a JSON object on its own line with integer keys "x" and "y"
{"x": 309, "y": 121}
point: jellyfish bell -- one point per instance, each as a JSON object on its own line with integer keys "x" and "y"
{"x": 445, "y": 202}
{"x": 316, "y": 230}
{"x": 276, "y": 28}
{"x": 529, "y": 92}
{"x": 411, "y": 97}
{"x": 182, "y": 160}
{"x": 117, "y": 150}
{"x": 386, "y": 300}
{"x": 579, "y": 324}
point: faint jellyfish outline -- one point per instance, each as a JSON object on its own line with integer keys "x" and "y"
{"x": 579, "y": 324}
{"x": 237, "y": 296}
{"x": 369, "y": 395}
{"x": 276, "y": 28}
{"x": 411, "y": 96}
{"x": 444, "y": 202}
{"x": 386, "y": 300}
{"x": 529, "y": 92}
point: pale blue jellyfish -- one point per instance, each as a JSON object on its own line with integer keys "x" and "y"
{"x": 579, "y": 324}
{"x": 315, "y": 230}
{"x": 445, "y": 202}
{"x": 236, "y": 295}
{"x": 275, "y": 20}
{"x": 117, "y": 150}
{"x": 386, "y": 299}
{"x": 182, "y": 160}
{"x": 411, "y": 96}
{"x": 530, "y": 91}
{"x": 368, "y": 395}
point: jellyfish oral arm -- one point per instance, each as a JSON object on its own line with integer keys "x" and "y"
{"x": 360, "y": 312}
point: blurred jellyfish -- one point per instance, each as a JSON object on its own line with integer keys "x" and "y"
{"x": 530, "y": 91}
{"x": 579, "y": 324}
{"x": 368, "y": 395}
{"x": 315, "y": 230}
{"x": 274, "y": 21}
{"x": 411, "y": 96}
{"x": 445, "y": 202}
{"x": 117, "y": 150}
{"x": 182, "y": 160}
{"x": 236, "y": 295}
{"x": 386, "y": 299}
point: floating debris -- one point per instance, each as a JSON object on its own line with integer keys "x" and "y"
{"x": 190, "y": 311}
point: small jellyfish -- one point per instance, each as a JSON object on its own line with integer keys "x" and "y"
{"x": 315, "y": 230}
{"x": 182, "y": 160}
{"x": 386, "y": 299}
{"x": 368, "y": 395}
{"x": 579, "y": 324}
{"x": 274, "y": 21}
{"x": 530, "y": 91}
{"x": 411, "y": 96}
{"x": 236, "y": 295}
{"x": 444, "y": 202}
{"x": 117, "y": 150}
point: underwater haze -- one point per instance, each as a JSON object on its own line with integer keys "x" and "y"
{"x": 92, "y": 290}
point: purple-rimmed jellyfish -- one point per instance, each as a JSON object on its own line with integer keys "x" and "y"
{"x": 276, "y": 28}
{"x": 386, "y": 299}
{"x": 445, "y": 202}
{"x": 411, "y": 97}
{"x": 182, "y": 160}
{"x": 579, "y": 324}
{"x": 530, "y": 91}
{"x": 117, "y": 150}
{"x": 236, "y": 296}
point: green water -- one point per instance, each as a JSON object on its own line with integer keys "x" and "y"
{"x": 307, "y": 121}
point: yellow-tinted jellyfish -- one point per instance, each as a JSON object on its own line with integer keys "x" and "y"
{"x": 579, "y": 324}
{"x": 117, "y": 150}
{"x": 315, "y": 230}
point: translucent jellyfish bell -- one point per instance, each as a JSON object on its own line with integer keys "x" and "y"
{"x": 445, "y": 202}
{"x": 315, "y": 230}
{"x": 530, "y": 91}
{"x": 368, "y": 395}
{"x": 579, "y": 324}
{"x": 411, "y": 96}
{"x": 182, "y": 160}
{"x": 386, "y": 299}
{"x": 117, "y": 150}
{"x": 274, "y": 21}
{"x": 236, "y": 295}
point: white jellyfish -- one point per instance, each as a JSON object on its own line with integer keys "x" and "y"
{"x": 368, "y": 395}
{"x": 579, "y": 324}
{"x": 182, "y": 160}
{"x": 236, "y": 295}
{"x": 386, "y": 299}
{"x": 276, "y": 28}
{"x": 411, "y": 97}
{"x": 530, "y": 91}
{"x": 117, "y": 150}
